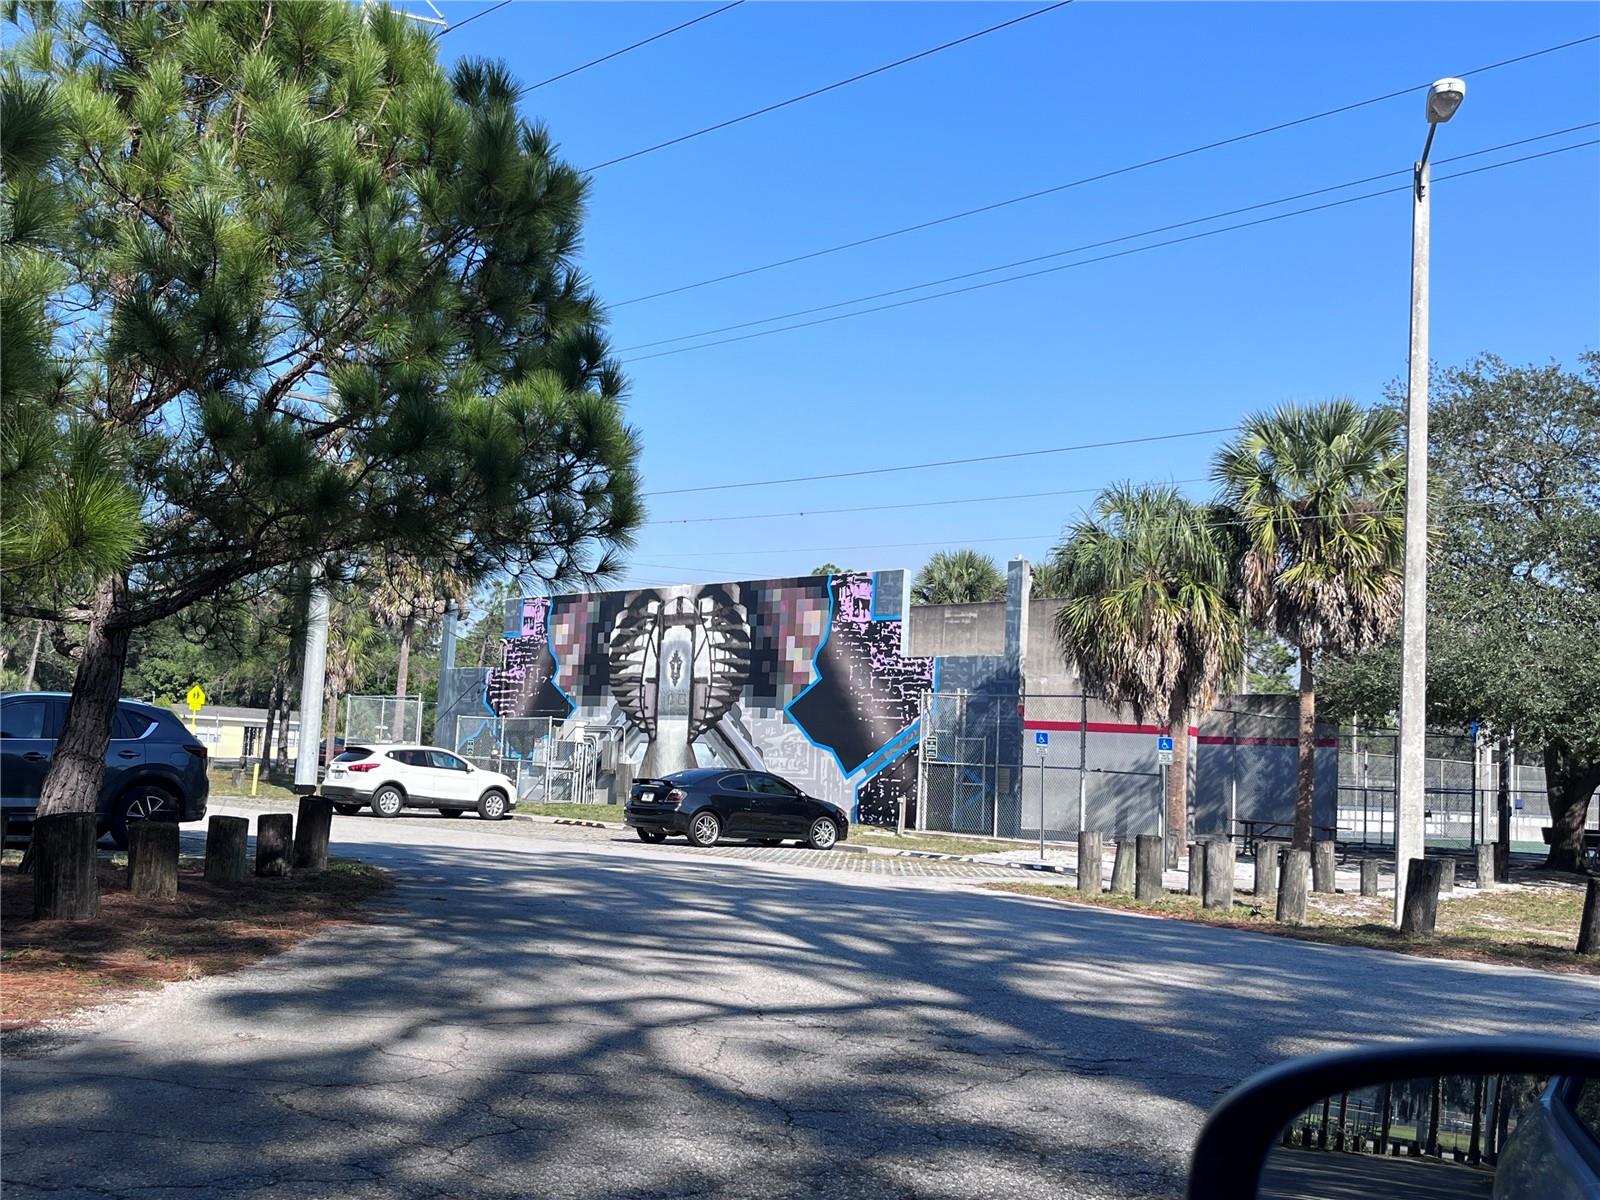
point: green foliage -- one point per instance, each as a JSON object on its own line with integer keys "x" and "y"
{"x": 1514, "y": 587}
{"x": 826, "y": 568}
{"x": 1268, "y": 662}
{"x": 1050, "y": 578}
{"x": 1319, "y": 494}
{"x": 1149, "y": 613}
{"x": 277, "y": 288}
{"x": 958, "y": 577}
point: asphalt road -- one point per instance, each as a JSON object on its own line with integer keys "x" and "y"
{"x": 559, "y": 1013}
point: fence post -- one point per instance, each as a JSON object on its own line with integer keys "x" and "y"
{"x": 1197, "y": 868}
{"x": 1322, "y": 866}
{"x": 1151, "y": 853}
{"x": 1369, "y": 877}
{"x": 225, "y": 849}
{"x": 274, "y": 843}
{"x": 1292, "y": 887}
{"x": 1266, "y": 889}
{"x": 1421, "y": 909}
{"x": 311, "y": 834}
{"x": 1447, "y": 876}
{"x": 1122, "y": 868}
{"x": 1218, "y": 874}
{"x": 1091, "y": 855}
{"x": 1486, "y": 866}
{"x": 153, "y": 859}
{"x": 1589, "y": 925}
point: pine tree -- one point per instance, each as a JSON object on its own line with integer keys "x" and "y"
{"x": 277, "y": 289}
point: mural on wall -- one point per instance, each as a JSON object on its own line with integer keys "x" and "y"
{"x": 804, "y": 677}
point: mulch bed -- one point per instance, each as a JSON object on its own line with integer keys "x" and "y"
{"x": 48, "y": 969}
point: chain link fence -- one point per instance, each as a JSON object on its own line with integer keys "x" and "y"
{"x": 1075, "y": 763}
{"x": 382, "y": 719}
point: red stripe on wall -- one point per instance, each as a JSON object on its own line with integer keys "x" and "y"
{"x": 1100, "y": 727}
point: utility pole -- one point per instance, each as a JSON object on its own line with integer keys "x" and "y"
{"x": 1444, "y": 97}
{"x": 312, "y": 672}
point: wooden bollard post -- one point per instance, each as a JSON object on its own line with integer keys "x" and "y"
{"x": 1122, "y": 869}
{"x": 1091, "y": 859}
{"x": 226, "y": 839}
{"x": 1369, "y": 877}
{"x": 1420, "y": 912}
{"x": 311, "y": 833}
{"x": 1322, "y": 868}
{"x": 274, "y": 843}
{"x": 1267, "y": 870}
{"x": 1589, "y": 924}
{"x": 1447, "y": 876}
{"x": 153, "y": 859}
{"x": 1486, "y": 866}
{"x": 1292, "y": 887}
{"x": 1197, "y": 868}
{"x": 1219, "y": 874}
{"x": 1151, "y": 855}
{"x": 66, "y": 880}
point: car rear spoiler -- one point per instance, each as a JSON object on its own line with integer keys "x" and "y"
{"x": 651, "y": 782}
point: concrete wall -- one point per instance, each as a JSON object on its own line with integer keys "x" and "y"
{"x": 966, "y": 630}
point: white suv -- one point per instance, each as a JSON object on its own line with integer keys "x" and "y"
{"x": 390, "y": 778}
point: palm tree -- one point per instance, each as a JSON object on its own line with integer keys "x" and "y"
{"x": 1050, "y": 579}
{"x": 407, "y": 594}
{"x": 1318, "y": 492}
{"x": 958, "y": 577}
{"x": 1150, "y": 615}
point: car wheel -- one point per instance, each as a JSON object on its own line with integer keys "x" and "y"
{"x": 145, "y": 802}
{"x": 387, "y": 802}
{"x": 347, "y": 810}
{"x": 492, "y": 806}
{"x": 651, "y": 835}
{"x": 452, "y": 812}
{"x": 822, "y": 834}
{"x": 705, "y": 829}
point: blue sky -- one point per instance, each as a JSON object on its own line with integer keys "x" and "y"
{"x": 1182, "y": 338}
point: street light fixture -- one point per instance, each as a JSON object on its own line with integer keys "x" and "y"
{"x": 1444, "y": 97}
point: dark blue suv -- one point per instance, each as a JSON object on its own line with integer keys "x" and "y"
{"x": 155, "y": 768}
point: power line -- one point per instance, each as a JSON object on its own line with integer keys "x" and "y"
{"x": 469, "y": 20}
{"x": 1039, "y": 12}
{"x": 948, "y": 462}
{"x": 655, "y": 37}
{"x": 1022, "y": 537}
{"x": 1127, "y": 237}
{"x": 819, "y": 512}
{"x": 1298, "y": 212}
{"x": 1061, "y": 187}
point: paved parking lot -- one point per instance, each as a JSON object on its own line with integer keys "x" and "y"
{"x": 569, "y": 1014}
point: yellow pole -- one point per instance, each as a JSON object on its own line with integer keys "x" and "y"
{"x": 255, "y": 777}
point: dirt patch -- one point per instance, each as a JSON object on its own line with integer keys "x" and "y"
{"x": 1530, "y": 923}
{"x": 48, "y": 969}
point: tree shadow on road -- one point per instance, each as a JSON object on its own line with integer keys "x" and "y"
{"x": 581, "y": 1023}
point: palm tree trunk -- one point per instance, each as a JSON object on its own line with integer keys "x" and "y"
{"x": 283, "y": 726}
{"x": 330, "y": 705}
{"x": 33, "y": 659}
{"x": 1306, "y": 767}
{"x": 403, "y": 668}
{"x": 274, "y": 698}
{"x": 1178, "y": 787}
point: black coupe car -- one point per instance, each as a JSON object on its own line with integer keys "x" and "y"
{"x": 709, "y": 803}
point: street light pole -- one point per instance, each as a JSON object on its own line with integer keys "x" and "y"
{"x": 1444, "y": 97}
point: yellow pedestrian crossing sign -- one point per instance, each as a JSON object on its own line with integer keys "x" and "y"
{"x": 196, "y": 699}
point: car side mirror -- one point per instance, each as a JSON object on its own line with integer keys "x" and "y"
{"x": 1513, "y": 1118}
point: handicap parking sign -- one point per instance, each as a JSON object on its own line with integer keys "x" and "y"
{"x": 1164, "y": 743}
{"x": 1041, "y": 738}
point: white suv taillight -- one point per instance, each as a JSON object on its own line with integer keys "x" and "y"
{"x": 363, "y": 766}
